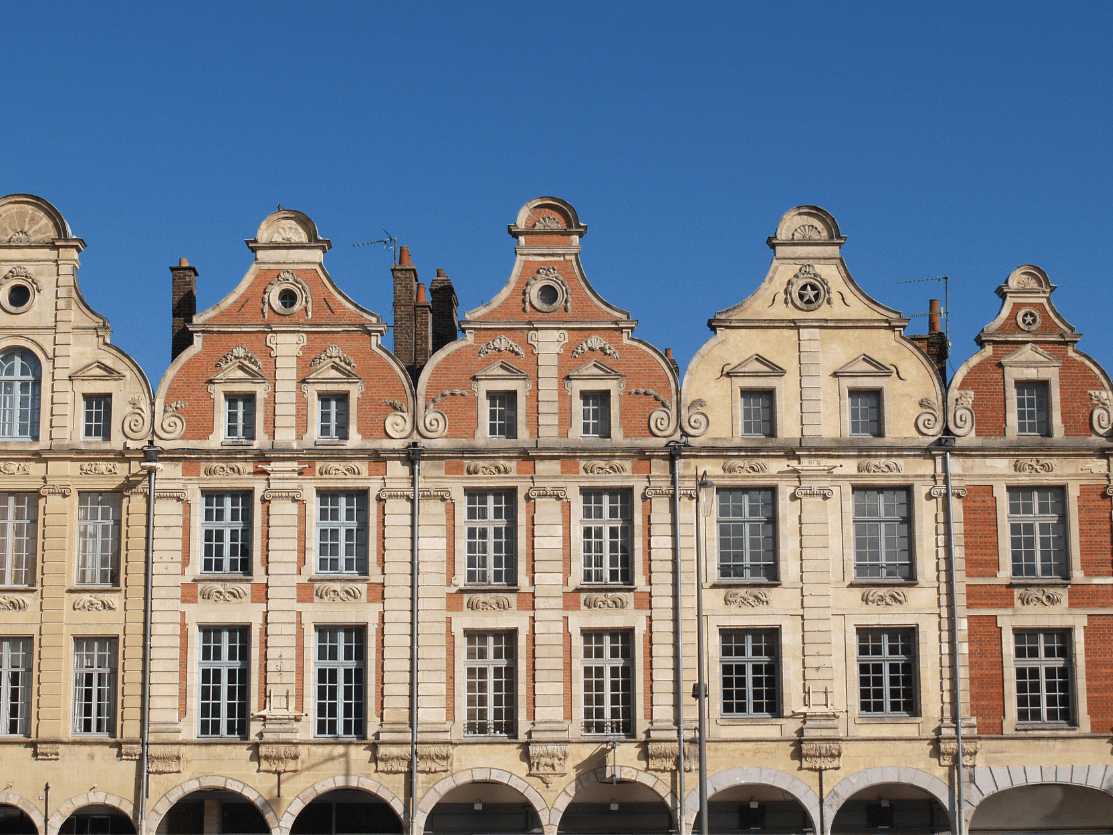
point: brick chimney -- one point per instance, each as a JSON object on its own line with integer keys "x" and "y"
{"x": 423, "y": 331}
{"x": 183, "y": 306}
{"x": 446, "y": 326}
{"x": 934, "y": 343}
{"x": 405, "y": 281}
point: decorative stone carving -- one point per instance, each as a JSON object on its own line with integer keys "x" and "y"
{"x": 607, "y": 601}
{"x": 392, "y": 759}
{"x": 130, "y": 752}
{"x": 558, "y": 493}
{"x": 20, "y": 236}
{"x": 807, "y": 290}
{"x": 424, "y": 492}
{"x": 884, "y": 597}
{"x": 502, "y": 342}
{"x": 399, "y": 423}
{"x": 751, "y": 598}
{"x": 14, "y": 468}
{"x": 25, "y": 274}
{"x": 697, "y": 421}
{"x": 547, "y": 222}
{"x": 1033, "y": 466}
{"x": 434, "y": 423}
{"x": 288, "y": 278}
{"x": 224, "y": 593}
{"x": 137, "y": 419}
{"x": 1039, "y": 597}
{"x": 340, "y": 470}
{"x": 222, "y": 470}
{"x": 172, "y": 424}
{"x": 55, "y": 490}
{"x": 820, "y": 755}
{"x": 594, "y": 343}
{"x": 604, "y": 468}
{"x": 13, "y": 603}
{"x": 558, "y": 297}
{"x": 813, "y": 492}
{"x": 666, "y": 492}
{"x": 47, "y": 751}
{"x": 333, "y": 354}
{"x": 807, "y": 232}
{"x": 240, "y": 355}
{"x": 548, "y": 760}
{"x": 94, "y": 603}
{"x": 940, "y": 492}
{"x": 434, "y": 758}
{"x": 962, "y": 416}
{"x": 280, "y": 758}
{"x": 949, "y": 747}
{"x": 1101, "y": 418}
{"x": 1028, "y": 318}
{"x": 282, "y": 495}
{"x": 880, "y": 467}
{"x": 488, "y": 602}
{"x": 745, "y": 467}
{"x": 489, "y": 468}
{"x": 99, "y": 468}
{"x": 662, "y": 756}
{"x": 929, "y": 421}
{"x": 338, "y": 592}
{"x": 164, "y": 759}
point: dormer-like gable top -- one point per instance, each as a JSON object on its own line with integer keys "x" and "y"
{"x": 1027, "y": 313}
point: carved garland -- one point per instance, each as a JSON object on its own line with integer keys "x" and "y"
{"x": 1039, "y": 597}
{"x": 340, "y": 470}
{"x": 338, "y": 593}
{"x": 880, "y": 467}
{"x": 501, "y": 343}
{"x": 14, "y": 468}
{"x": 607, "y": 601}
{"x": 488, "y": 603}
{"x": 746, "y": 598}
{"x": 224, "y": 593}
{"x": 241, "y": 355}
{"x": 489, "y": 468}
{"x": 94, "y": 603}
{"x": 1033, "y": 466}
{"x": 99, "y": 468}
{"x": 884, "y": 597}
{"x": 604, "y": 468}
{"x": 222, "y": 470}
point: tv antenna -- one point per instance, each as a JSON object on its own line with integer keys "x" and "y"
{"x": 946, "y": 302}
{"x": 389, "y": 241}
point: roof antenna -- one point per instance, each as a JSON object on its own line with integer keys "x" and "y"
{"x": 389, "y": 241}
{"x": 946, "y": 302}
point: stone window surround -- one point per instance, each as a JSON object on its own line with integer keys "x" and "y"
{"x": 490, "y": 621}
{"x": 594, "y": 377}
{"x": 194, "y": 495}
{"x": 864, "y": 381}
{"x": 637, "y": 567}
{"x": 925, "y": 628}
{"x": 365, "y": 618}
{"x": 1004, "y": 545}
{"x": 596, "y": 621}
{"x": 758, "y": 375}
{"x": 781, "y": 522}
{"x": 459, "y": 568}
{"x": 111, "y": 387}
{"x": 220, "y": 391}
{"x": 1017, "y": 371}
{"x": 1023, "y": 621}
{"x": 312, "y": 493}
{"x": 789, "y": 679}
{"x": 252, "y": 654}
{"x": 501, "y": 377}
{"x": 313, "y": 391}
{"x": 116, "y": 697}
{"x": 921, "y": 532}
{"x": 46, "y": 404}
{"x": 239, "y": 615}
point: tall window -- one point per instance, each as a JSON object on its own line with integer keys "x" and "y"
{"x": 18, "y": 518}
{"x": 608, "y": 683}
{"x": 757, "y": 414}
{"x": 747, "y": 547}
{"x": 15, "y": 685}
{"x": 502, "y": 414}
{"x": 98, "y": 539}
{"x": 1037, "y": 532}
{"x": 98, "y": 417}
{"x": 342, "y": 533}
{"x": 595, "y": 411}
{"x": 492, "y": 688}
{"x": 333, "y": 425}
{"x": 1043, "y": 676}
{"x": 748, "y": 659}
{"x": 94, "y": 686}
{"x": 881, "y": 528}
{"x": 491, "y": 538}
{"x": 239, "y": 417}
{"x": 887, "y": 671}
{"x": 226, "y": 533}
{"x": 865, "y": 413}
{"x": 223, "y": 677}
{"x": 20, "y": 376}
{"x": 341, "y": 676}
{"x": 606, "y": 536}
{"x": 1031, "y": 409}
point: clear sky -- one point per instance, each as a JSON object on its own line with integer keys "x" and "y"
{"x": 959, "y": 139}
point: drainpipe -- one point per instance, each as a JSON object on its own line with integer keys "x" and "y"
{"x": 676, "y": 449}
{"x": 953, "y": 581}
{"x": 415, "y": 452}
{"x": 704, "y": 484}
{"x": 151, "y": 465}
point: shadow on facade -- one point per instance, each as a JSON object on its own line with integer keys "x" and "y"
{"x": 1044, "y": 808}
{"x": 213, "y": 813}
{"x": 15, "y": 821}
{"x": 891, "y": 808}
{"x": 616, "y": 807}
{"x": 97, "y": 820}
{"x": 346, "y": 811}
{"x": 756, "y": 808}
{"x": 482, "y": 808}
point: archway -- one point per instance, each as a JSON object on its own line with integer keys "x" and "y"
{"x": 213, "y": 812}
{"x": 891, "y": 808}
{"x": 97, "y": 819}
{"x": 482, "y": 807}
{"x": 629, "y": 802}
{"x": 346, "y": 811}
{"x": 754, "y": 807}
{"x": 14, "y": 821}
{"x": 1044, "y": 808}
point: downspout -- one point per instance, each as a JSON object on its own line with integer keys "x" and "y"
{"x": 676, "y": 449}
{"x": 151, "y": 465}
{"x": 415, "y": 453}
{"x": 955, "y": 661}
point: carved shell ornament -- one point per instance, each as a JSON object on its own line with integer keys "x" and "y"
{"x": 547, "y": 222}
{"x": 241, "y": 355}
{"x": 807, "y": 232}
{"x": 333, "y": 354}
{"x": 501, "y": 343}
{"x": 807, "y": 290}
{"x": 594, "y": 343}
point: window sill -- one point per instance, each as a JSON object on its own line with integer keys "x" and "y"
{"x": 588, "y": 588}
{"x": 1038, "y": 727}
{"x": 332, "y": 578}
{"x": 888, "y": 718}
{"x": 330, "y": 442}
{"x": 98, "y": 587}
{"x": 1039, "y": 581}
{"x": 225, "y": 578}
{"x": 19, "y": 588}
{"x": 483, "y": 587}
{"x": 747, "y": 720}
{"x": 238, "y": 442}
{"x": 733, "y": 583}
{"x": 885, "y": 581}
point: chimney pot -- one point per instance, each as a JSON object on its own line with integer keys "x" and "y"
{"x": 421, "y": 297}
{"x": 404, "y": 255}
{"x": 933, "y": 316}
{"x": 182, "y": 262}
{"x": 668, "y": 353}
{"x": 441, "y": 273}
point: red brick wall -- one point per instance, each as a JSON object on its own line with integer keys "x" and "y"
{"x": 979, "y": 515}
{"x": 987, "y": 689}
{"x": 1095, "y": 531}
{"x": 1099, "y": 672}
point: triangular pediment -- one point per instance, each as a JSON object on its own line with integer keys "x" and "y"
{"x": 332, "y": 372}
{"x": 501, "y": 371}
{"x": 1031, "y": 357}
{"x": 594, "y": 370}
{"x": 864, "y": 366}
{"x": 97, "y": 371}
{"x": 238, "y": 372}
{"x": 755, "y": 366}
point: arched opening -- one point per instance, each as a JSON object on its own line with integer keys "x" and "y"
{"x": 20, "y": 374}
{"x": 756, "y": 808}
{"x": 481, "y": 808}
{"x": 213, "y": 812}
{"x": 616, "y": 807}
{"x": 891, "y": 808}
{"x": 346, "y": 812}
{"x": 1043, "y": 808}
{"x": 14, "y": 821}
{"x": 97, "y": 819}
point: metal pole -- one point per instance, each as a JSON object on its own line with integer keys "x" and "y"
{"x": 676, "y": 449}
{"x": 701, "y": 658}
{"x": 415, "y": 453}
{"x": 955, "y": 661}
{"x": 151, "y": 465}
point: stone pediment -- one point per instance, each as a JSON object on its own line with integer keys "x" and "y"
{"x": 239, "y": 371}
{"x": 331, "y": 371}
{"x": 1031, "y": 357}
{"x": 864, "y": 366}
{"x": 501, "y": 371}
{"x": 97, "y": 371}
{"x": 594, "y": 370}
{"x": 755, "y": 366}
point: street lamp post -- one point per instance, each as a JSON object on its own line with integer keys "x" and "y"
{"x": 704, "y": 490}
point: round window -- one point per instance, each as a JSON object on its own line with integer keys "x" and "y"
{"x": 548, "y": 295}
{"x": 19, "y": 295}
{"x": 287, "y": 299}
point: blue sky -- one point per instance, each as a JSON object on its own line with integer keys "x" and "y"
{"x": 946, "y": 138}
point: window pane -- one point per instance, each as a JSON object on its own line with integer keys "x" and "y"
{"x": 491, "y": 538}
{"x": 595, "y": 409}
{"x": 882, "y": 549}
{"x": 223, "y": 682}
{"x": 757, "y": 413}
{"x": 98, "y": 417}
{"x": 490, "y": 670}
{"x": 1037, "y": 532}
{"x": 226, "y": 533}
{"x": 865, "y": 413}
{"x": 747, "y": 545}
{"x": 1043, "y": 676}
{"x": 342, "y": 532}
{"x": 1031, "y": 409}
{"x": 606, "y": 536}
{"x": 18, "y": 528}
{"x": 887, "y": 671}
{"x": 20, "y": 376}
{"x": 608, "y": 684}
{"x": 94, "y": 686}
{"x": 334, "y": 417}
{"x": 98, "y": 539}
{"x": 15, "y": 686}
{"x": 502, "y": 414}
{"x": 340, "y": 682}
{"x": 749, "y": 659}
{"x": 240, "y": 417}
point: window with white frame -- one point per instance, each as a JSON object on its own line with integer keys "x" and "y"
{"x": 15, "y": 685}
{"x": 747, "y": 543}
{"x": 20, "y": 381}
{"x": 887, "y": 672}
{"x": 492, "y": 684}
{"x": 222, "y": 681}
{"x": 333, "y": 413}
{"x": 341, "y": 673}
{"x": 757, "y": 413}
{"x": 491, "y": 538}
{"x": 98, "y": 539}
{"x": 97, "y": 424}
{"x": 748, "y": 661}
{"x": 882, "y": 549}
{"x": 502, "y": 414}
{"x": 226, "y": 533}
{"x": 1037, "y": 532}
{"x": 342, "y": 532}
{"x": 239, "y": 417}
{"x": 18, "y": 525}
{"x": 865, "y": 412}
{"x": 1032, "y": 413}
{"x": 1043, "y": 677}
{"x": 94, "y": 686}
{"x": 595, "y": 413}
{"x": 607, "y": 536}
{"x": 608, "y": 683}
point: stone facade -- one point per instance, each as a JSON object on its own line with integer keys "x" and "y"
{"x": 828, "y": 483}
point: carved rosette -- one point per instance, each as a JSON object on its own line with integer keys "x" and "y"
{"x": 696, "y": 421}
{"x": 1039, "y": 597}
{"x": 164, "y": 759}
{"x": 224, "y": 593}
{"x": 605, "y": 468}
{"x": 489, "y": 468}
{"x": 929, "y": 421}
{"x": 488, "y": 602}
{"x": 1033, "y": 466}
{"x": 548, "y": 760}
{"x": 223, "y": 470}
{"x": 392, "y": 759}
{"x": 1101, "y": 418}
{"x": 280, "y": 758}
{"x": 884, "y": 597}
{"x": 613, "y": 600}
{"x": 746, "y": 598}
{"x": 94, "y": 603}
{"x": 434, "y": 758}
{"x": 99, "y": 468}
{"x": 745, "y": 467}
{"x": 820, "y": 755}
{"x": 338, "y": 593}
{"x": 878, "y": 467}
{"x": 962, "y": 413}
{"x": 949, "y": 747}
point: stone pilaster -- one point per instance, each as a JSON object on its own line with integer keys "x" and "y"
{"x": 286, "y": 348}
{"x": 548, "y": 345}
